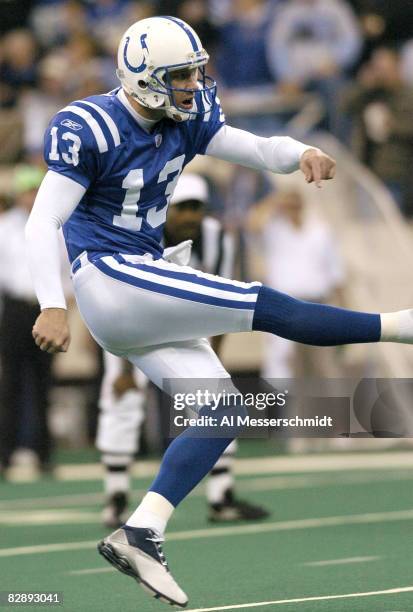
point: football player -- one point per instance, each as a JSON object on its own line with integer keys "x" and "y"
{"x": 122, "y": 393}
{"x": 113, "y": 162}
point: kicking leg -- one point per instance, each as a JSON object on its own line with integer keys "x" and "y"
{"x": 187, "y": 304}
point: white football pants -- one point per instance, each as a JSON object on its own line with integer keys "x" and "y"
{"x": 158, "y": 314}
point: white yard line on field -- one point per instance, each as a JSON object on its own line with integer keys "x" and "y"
{"x": 265, "y": 483}
{"x": 278, "y": 602}
{"x": 93, "y": 570}
{"x": 326, "y": 462}
{"x": 219, "y": 532}
{"x": 346, "y": 561}
{"x": 48, "y": 517}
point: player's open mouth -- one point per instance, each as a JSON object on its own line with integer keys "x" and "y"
{"x": 187, "y": 103}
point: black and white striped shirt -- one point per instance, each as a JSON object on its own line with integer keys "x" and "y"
{"x": 214, "y": 250}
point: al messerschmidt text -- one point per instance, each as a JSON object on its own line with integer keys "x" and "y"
{"x": 247, "y": 421}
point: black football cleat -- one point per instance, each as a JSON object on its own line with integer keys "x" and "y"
{"x": 114, "y": 514}
{"x": 234, "y": 509}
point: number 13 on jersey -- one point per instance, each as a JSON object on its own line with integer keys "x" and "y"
{"x": 133, "y": 183}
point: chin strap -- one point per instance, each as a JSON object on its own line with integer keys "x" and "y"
{"x": 177, "y": 114}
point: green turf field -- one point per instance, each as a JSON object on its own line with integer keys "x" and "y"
{"x": 339, "y": 539}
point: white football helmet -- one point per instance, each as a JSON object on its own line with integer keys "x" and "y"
{"x": 149, "y": 51}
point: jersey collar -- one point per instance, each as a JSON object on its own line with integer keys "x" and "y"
{"x": 146, "y": 124}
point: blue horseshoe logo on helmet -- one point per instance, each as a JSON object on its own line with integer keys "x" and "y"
{"x": 142, "y": 67}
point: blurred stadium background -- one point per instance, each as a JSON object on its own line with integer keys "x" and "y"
{"x": 334, "y": 73}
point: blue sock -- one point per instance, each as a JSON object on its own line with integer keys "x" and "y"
{"x": 310, "y": 323}
{"x": 186, "y": 461}
{"x": 194, "y": 453}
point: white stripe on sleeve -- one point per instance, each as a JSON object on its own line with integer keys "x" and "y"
{"x": 108, "y": 120}
{"x": 92, "y": 123}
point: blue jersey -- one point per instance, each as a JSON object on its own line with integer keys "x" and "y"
{"x": 129, "y": 174}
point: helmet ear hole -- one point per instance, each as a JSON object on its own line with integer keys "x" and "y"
{"x": 142, "y": 84}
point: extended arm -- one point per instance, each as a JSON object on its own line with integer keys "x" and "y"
{"x": 279, "y": 154}
{"x": 57, "y": 198}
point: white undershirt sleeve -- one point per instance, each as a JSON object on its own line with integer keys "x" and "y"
{"x": 280, "y": 154}
{"x": 56, "y": 199}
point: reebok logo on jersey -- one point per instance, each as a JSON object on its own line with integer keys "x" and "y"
{"x": 71, "y": 124}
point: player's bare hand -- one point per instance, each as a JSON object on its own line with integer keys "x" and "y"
{"x": 51, "y": 330}
{"x": 317, "y": 166}
{"x": 123, "y": 383}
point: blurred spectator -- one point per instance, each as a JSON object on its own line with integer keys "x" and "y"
{"x": 313, "y": 43}
{"x": 25, "y": 379}
{"x": 220, "y": 10}
{"x": 243, "y": 73}
{"x": 37, "y": 106}
{"x": 58, "y": 85}
{"x": 384, "y": 23}
{"x": 381, "y": 106}
{"x": 108, "y": 19}
{"x": 242, "y": 59}
{"x": 313, "y": 39}
{"x": 82, "y": 51}
{"x": 194, "y": 12}
{"x": 407, "y": 63}
{"x": 54, "y": 21}
{"x": 301, "y": 259}
{"x": 18, "y": 69}
{"x": 14, "y": 14}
